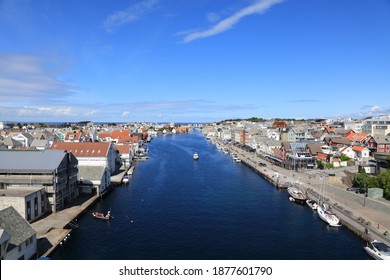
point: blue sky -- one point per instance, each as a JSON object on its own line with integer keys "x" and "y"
{"x": 193, "y": 60}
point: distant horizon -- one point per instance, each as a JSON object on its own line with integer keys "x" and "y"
{"x": 180, "y": 122}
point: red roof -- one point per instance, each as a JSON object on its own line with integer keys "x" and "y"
{"x": 83, "y": 149}
{"x": 358, "y": 137}
{"x": 124, "y": 148}
{"x": 322, "y": 156}
{"x": 358, "y": 148}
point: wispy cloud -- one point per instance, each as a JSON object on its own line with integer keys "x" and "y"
{"x": 131, "y": 14}
{"x": 27, "y": 77}
{"x": 174, "y": 110}
{"x": 304, "y": 101}
{"x": 257, "y": 7}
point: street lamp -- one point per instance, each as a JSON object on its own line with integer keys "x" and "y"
{"x": 365, "y": 195}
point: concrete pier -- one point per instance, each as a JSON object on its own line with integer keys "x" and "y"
{"x": 357, "y": 213}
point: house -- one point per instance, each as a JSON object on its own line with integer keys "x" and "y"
{"x": 297, "y": 156}
{"x": 18, "y": 239}
{"x": 382, "y": 144}
{"x": 25, "y": 138}
{"x": 41, "y": 144}
{"x": 361, "y": 152}
{"x": 127, "y": 153}
{"x": 359, "y": 138}
{"x": 94, "y": 179}
{"x": 30, "y": 202}
{"x": 11, "y": 143}
{"x": 55, "y": 171}
{"x": 279, "y": 125}
{"x": 77, "y": 136}
{"x": 91, "y": 153}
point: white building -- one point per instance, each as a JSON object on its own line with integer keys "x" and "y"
{"x": 17, "y": 238}
{"x": 30, "y": 202}
{"x": 91, "y": 153}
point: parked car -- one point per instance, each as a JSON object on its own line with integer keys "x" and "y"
{"x": 353, "y": 188}
{"x": 360, "y": 190}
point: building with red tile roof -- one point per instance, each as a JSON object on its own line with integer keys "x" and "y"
{"x": 91, "y": 153}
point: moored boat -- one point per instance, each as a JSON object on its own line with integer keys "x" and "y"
{"x": 297, "y": 194}
{"x": 327, "y": 216}
{"x": 378, "y": 250}
{"x": 125, "y": 179}
{"x": 131, "y": 170}
{"x": 312, "y": 204}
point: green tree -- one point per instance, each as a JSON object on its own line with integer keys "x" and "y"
{"x": 384, "y": 183}
{"x": 320, "y": 164}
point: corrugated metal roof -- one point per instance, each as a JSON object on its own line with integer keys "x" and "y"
{"x": 30, "y": 161}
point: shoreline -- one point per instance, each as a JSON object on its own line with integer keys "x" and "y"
{"x": 355, "y": 215}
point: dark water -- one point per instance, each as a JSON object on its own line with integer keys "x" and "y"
{"x": 178, "y": 208}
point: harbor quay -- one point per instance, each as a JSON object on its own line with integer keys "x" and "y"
{"x": 54, "y": 229}
{"x": 367, "y": 218}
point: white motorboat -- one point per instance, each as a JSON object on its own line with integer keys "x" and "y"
{"x": 327, "y": 216}
{"x": 378, "y": 250}
{"x": 196, "y": 156}
{"x": 312, "y": 204}
{"x": 125, "y": 179}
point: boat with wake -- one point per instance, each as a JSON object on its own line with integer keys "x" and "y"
{"x": 196, "y": 156}
{"x": 101, "y": 216}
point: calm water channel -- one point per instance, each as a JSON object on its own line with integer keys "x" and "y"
{"x": 178, "y": 208}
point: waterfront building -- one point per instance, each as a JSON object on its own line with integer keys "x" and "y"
{"x": 94, "y": 179}
{"x": 296, "y": 155}
{"x": 55, "y": 171}
{"x": 91, "y": 153}
{"x": 127, "y": 153}
{"x": 17, "y": 238}
{"x": 30, "y": 202}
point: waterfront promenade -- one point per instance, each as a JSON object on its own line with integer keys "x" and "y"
{"x": 356, "y": 211}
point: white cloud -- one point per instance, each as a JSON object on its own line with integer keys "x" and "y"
{"x": 258, "y": 7}
{"x": 132, "y": 14}
{"x": 125, "y": 114}
{"x": 24, "y": 77}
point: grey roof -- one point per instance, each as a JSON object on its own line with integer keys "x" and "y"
{"x": 39, "y": 143}
{"x": 9, "y": 141}
{"x": 94, "y": 173}
{"x": 380, "y": 139}
{"x": 16, "y": 225}
{"x": 30, "y": 161}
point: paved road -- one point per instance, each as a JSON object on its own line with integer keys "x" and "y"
{"x": 357, "y": 206}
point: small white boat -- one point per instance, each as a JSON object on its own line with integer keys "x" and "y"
{"x": 378, "y": 250}
{"x": 327, "y": 216}
{"x": 125, "y": 179}
{"x": 131, "y": 170}
{"x": 312, "y": 204}
{"x": 196, "y": 156}
{"x": 238, "y": 160}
